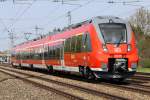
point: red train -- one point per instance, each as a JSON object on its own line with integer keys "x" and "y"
{"x": 102, "y": 47}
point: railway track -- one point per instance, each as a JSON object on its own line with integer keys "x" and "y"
{"x": 144, "y": 78}
{"x": 83, "y": 89}
{"x": 67, "y": 95}
{"x": 141, "y": 73}
{"x": 132, "y": 86}
{"x": 138, "y": 88}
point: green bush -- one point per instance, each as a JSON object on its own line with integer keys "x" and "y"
{"x": 145, "y": 63}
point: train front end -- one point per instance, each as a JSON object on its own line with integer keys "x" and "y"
{"x": 117, "y": 55}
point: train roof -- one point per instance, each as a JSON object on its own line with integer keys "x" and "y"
{"x": 73, "y": 26}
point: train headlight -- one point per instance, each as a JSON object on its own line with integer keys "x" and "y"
{"x": 105, "y": 48}
{"x": 129, "y": 47}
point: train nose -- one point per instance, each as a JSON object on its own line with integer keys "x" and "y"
{"x": 121, "y": 67}
{"x": 117, "y": 65}
{"x": 113, "y": 49}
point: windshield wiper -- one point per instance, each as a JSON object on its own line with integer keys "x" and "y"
{"x": 119, "y": 42}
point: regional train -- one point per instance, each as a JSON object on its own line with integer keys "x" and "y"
{"x": 102, "y": 47}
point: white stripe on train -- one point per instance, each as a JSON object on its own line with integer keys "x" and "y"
{"x": 59, "y": 68}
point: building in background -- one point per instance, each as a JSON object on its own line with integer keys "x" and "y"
{"x": 5, "y": 57}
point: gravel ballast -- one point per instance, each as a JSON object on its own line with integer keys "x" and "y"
{"x": 96, "y": 86}
{"x": 12, "y": 88}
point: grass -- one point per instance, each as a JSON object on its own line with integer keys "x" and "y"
{"x": 143, "y": 69}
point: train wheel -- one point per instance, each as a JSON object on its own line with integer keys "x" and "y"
{"x": 81, "y": 70}
{"x": 89, "y": 74}
{"x": 50, "y": 69}
{"x": 31, "y": 66}
{"x": 20, "y": 67}
{"x": 119, "y": 80}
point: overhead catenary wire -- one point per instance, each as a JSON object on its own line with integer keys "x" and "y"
{"x": 129, "y": 3}
{"x": 11, "y": 34}
{"x": 76, "y": 8}
{"x": 5, "y": 27}
{"x": 16, "y": 19}
{"x": 57, "y": 17}
{"x": 66, "y": 13}
{"x": 24, "y": 11}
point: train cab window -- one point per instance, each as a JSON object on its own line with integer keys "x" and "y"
{"x": 78, "y": 43}
{"x": 86, "y": 42}
{"x": 67, "y": 45}
{"x": 113, "y": 32}
{"x": 73, "y": 44}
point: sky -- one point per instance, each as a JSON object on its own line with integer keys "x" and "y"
{"x": 22, "y": 16}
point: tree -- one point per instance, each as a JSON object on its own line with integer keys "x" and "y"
{"x": 141, "y": 19}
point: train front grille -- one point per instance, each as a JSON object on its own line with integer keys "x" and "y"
{"x": 116, "y": 65}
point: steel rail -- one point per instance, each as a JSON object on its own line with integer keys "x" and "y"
{"x": 144, "y": 78}
{"x": 87, "y": 90}
{"x": 132, "y": 87}
{"x": 67, "y": 95}
{"x": 141, "y": 73}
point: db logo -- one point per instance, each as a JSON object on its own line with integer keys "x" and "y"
{"x": 117, "y": 50}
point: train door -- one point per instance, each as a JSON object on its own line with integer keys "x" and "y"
{"x": 73, "y": 51}
{"x": 67, "y": 52}
{"x": 86, "y": 48}
{"x": 62, "y": 62}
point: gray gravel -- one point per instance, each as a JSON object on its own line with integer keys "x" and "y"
{"x": 15, "y": 89}
{"x": 97, "y": 86}
{"x": 106, "y": 89}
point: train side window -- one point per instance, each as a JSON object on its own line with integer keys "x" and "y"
{"x": 40, "y": 53}
{"x": 61, "y": 52}
{"x": 67, "y": 45}
{"x": 78, "y": 43}
{"x": 28, "y": 54}
{"x": 73, "y": 44}
{"x": 45, "y": 52}
{"x": 58, "y": 53}
{"x": 31, "y": 54}
{"x": 86, "y": 43}
{"x": 36, "y": 55}
{"x": 54, "y": 53}
{"x": 17, "y": 56}
{"x": 50, "y": 52}
{"x": 23, "y": 55}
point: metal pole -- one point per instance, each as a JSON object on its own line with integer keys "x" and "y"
{"x": 69, "y": 18}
